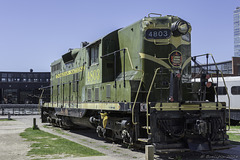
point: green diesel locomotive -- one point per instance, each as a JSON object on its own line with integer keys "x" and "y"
{"x": 135, "y": 86}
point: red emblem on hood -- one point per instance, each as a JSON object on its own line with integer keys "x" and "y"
{"x": 175, "y": 59}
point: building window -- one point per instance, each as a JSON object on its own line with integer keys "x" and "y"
{"x": 235, "y": 90}
{"x": 4, "y": 79}
{"x": 4, "y": 75}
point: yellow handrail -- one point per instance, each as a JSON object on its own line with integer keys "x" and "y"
{"x": 225, "y": 88}
{"x": 149, "y": 91}
{"x": 226, "y": 91}
{"x": 136, "y": 100}
{"x": 214, "y": 87}
{"x": 139, "y": 87}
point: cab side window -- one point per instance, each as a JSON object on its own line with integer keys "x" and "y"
{"x": 93, "y": 53}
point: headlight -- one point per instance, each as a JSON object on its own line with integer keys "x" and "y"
{"x": 183, "y": 27}
{"x": 180, "y": 27}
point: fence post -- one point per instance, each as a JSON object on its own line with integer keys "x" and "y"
{"x": 34, "y": 124}
{"x": 149, "y": 152}
{"x": 9, "y": 116}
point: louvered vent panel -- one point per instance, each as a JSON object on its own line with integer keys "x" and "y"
{"x": 89, "y": 94}
{"x": 96, "y": 94}
{"x": 108, "y": 91}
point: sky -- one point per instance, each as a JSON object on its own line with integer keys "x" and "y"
{"x": 34, "y": 33}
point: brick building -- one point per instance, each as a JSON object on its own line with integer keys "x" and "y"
{"x": 228, "y": 68}
{"x": 23, "y": 87}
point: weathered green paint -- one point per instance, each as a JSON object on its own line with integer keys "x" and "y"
{"x": 150, "y": 89}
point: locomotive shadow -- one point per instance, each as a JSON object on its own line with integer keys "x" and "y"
{"x": 189, "y": 155}
{"x": 235, "y": 143}
{"x": 87, "y": 132}
{"x": 91, "y": 133}
{"x": 194, "y": 155}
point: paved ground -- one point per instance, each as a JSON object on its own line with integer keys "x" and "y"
{"x": 13, "y": 147}
{"x": 9, "y": 131}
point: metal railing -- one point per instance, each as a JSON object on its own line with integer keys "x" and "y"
{"x": 217, "y": 73}
{"x": 19, "y": 109}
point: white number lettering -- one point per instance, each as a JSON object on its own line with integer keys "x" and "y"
{"x": 150, "y": 34}
{"x": 165, "y": 33}
{"x": 155, "y": 34}
{"x": 160, "y": 33}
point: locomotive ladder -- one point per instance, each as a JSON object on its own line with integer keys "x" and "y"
{"x": 147, "y": 126}
{"x": 147, "y": 102}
